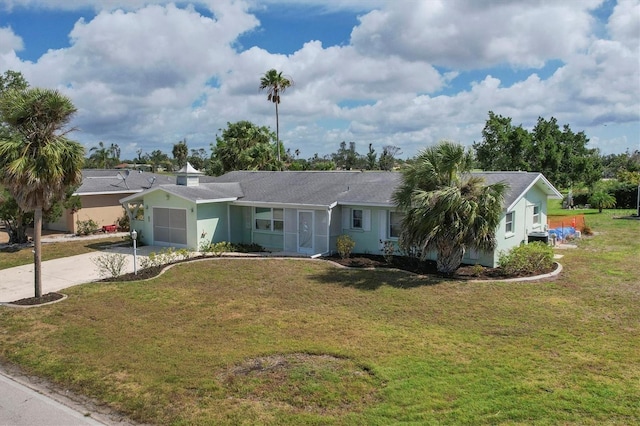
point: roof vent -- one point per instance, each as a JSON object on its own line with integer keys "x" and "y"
{"x": 188, "y": 176}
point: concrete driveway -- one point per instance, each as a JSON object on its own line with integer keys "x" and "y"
{"x": 18, "y": 282}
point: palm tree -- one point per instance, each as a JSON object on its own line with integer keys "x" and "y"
{"x": 100, "y": 155}
{"x": 180, "y": 153}
{"x": 275, "y": 83}
{"x": 601, "y": 199}
{"x": 446, "y": 208}
{"x": 38, "y": 163}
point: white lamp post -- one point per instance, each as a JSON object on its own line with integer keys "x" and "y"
{"x": 134, "y": 237}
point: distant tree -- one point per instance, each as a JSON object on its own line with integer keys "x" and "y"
{"x": 38, "y": 163}
{"x": 446, "y": 209}
{"x": 320, "y": 163}
{"x": 198, "y": 158}
{"x": 348, "y": 158}
{"x": 561, "y": 155}
{"x": 388, "y": 157}
{"x": 243, "y": 146}
{"x": 100, "y": 156}
{"x": 371, "y": 158}
{"x": 503, "y": 146}
{"x": 12, "y": 80}
{"x": 157, "y": 159}
{"x": 602, "y": 200}
{"x": 180, "y": 153}
{"x": 615, "y": 164}
{"x": 114, "y": 150}
{"x": 275, "y": 84}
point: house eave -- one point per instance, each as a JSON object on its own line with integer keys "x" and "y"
{"x": 127, "y": 191}
{"x": 282, "y": 205}
{"x": 214, "y": 200}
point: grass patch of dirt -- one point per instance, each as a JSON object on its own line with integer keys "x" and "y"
{"x": 300, "y": 382}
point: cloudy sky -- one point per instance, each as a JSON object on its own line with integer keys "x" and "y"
{"x": 146, "y": 74}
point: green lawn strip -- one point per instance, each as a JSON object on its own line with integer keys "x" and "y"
{"x": 299, "y": 342}
{"x": 55, "y": 251}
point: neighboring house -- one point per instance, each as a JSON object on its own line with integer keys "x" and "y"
{"x": 100, "y": 194}
{"x": 305, "y": 212}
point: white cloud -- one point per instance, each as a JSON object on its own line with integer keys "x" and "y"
{"x": 9, "y": 41}
{"x": 146, "y": 77}
{"x": 624, "y": 24}
{"x": 469, "y": 34}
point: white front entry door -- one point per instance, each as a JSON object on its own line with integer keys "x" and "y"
{"x": 305, "y": 231}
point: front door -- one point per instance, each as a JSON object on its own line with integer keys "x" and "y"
{"x": 305, "y": 231}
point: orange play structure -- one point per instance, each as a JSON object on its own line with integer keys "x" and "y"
{"x": 576, "y": 222}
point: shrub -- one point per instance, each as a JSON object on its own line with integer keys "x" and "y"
{"x": 86, "y": 227}
{"x": 123, "y": 223}
{"x": 218, "y": 248}
{"x": 388, "y": 249}
{"x": 164, "y": 257}
{"x": 110, "y": 264}
{"x": 345, "y": 246}
{"x": 532, "y": 258}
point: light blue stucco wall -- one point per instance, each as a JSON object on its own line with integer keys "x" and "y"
{"x": 522, "y": 222}
{"x": 213, "y": 223}
{"x": 164, "y": 200}
{"x": 367, "y": 239}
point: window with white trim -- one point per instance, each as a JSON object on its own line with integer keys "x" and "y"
{"x": 508, "y": 228}
{"x": 269, "y": 219}
{"x": 356, "y": 219}
{"x": 536, "y": 214}
{"x": 395, "y": 224}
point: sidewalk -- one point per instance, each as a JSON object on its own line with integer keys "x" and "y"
{"x": 22, "y": 405}
{"x": 17, "y": 283}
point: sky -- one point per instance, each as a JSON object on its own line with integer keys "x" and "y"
{"x": 409, "y": 73}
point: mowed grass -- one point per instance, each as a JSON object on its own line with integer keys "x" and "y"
{"x": 270, "y": 341}
{"x": 55, "y": 251}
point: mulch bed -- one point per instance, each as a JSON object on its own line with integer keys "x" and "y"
{"x": 427, "y": 267}
{"x": 45, "y": 298}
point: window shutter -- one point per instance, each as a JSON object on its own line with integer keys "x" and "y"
{"x": 366, "y": 220}
{"x": 382, "y": 227}
{"x": 346, "y": 218}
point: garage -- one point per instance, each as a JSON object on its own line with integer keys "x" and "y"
{"x": 170, "y": 226}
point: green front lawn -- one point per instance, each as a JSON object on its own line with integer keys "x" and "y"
{"x": 233, "y": 341}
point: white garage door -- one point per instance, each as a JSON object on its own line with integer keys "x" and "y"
{"x": 170, "y": 226}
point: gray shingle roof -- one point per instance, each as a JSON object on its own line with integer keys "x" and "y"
{"x": 314, "y": 188}
{"x": 362, "y": 188}
{"x": 324, "y": 189}
{"x": 107, "y": 181}
{"x": 206, "y": 191}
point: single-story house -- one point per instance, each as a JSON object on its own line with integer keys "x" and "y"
{"x": 305, "y": 212}
{"x": 100, "y": 193}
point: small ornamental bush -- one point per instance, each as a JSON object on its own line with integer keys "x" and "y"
{"x": 110, "y": 265}
{"x": 388, "y": 249}
{"x": 532, "y": 258}
{"x": 164, "y": 257}
{"x": 217, "y": 249}
{"x": 345, "y": 246}
{"x": 86, "y": 227}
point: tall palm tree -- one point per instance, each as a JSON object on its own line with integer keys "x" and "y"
{"x": 100, "y": 155}
{"x": 446, "y": 208}
{"x": 275, "y": 83}
{"x": 180, "y": 153}
{"x": 38, "y": 163}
